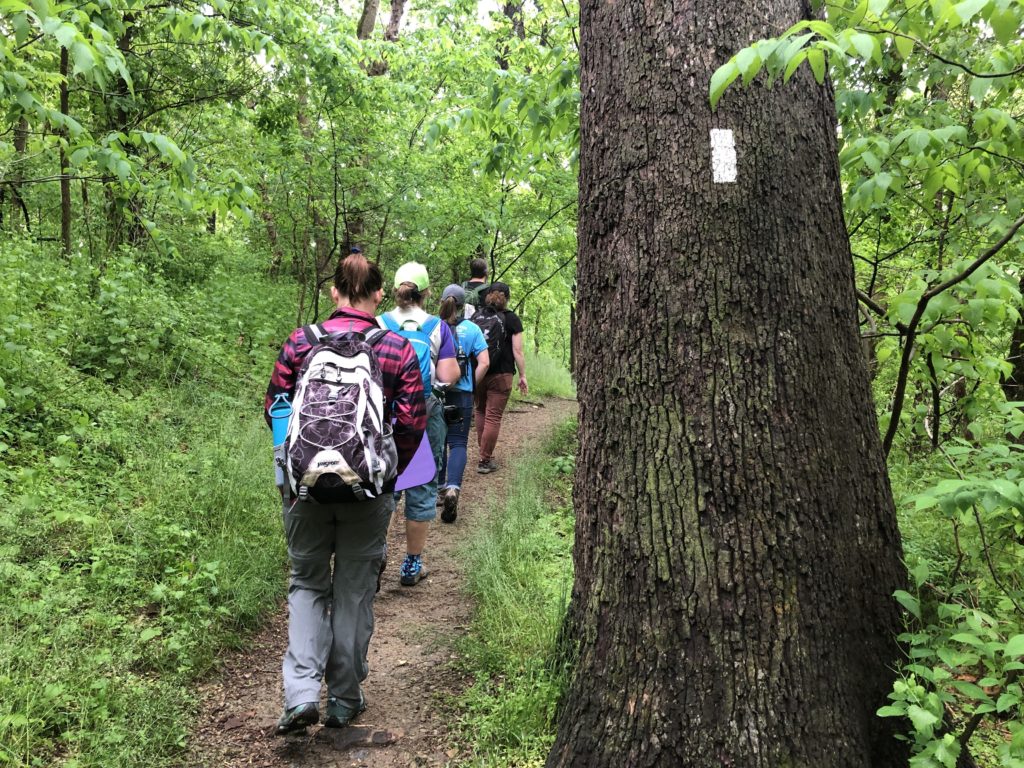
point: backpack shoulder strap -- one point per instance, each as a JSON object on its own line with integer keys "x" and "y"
{"x": 314, "y": 334}
{"x": 429, "y": 326}
{"x": 389, "y": 322}
{"x": 375, "y": 336}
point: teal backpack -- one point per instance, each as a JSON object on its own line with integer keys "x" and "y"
{"x": 419, "y": 336}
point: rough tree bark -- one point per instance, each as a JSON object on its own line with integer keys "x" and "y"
{"x": 736, "y": 541}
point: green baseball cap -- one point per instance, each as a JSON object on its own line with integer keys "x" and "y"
{"x": 412, "y": 272}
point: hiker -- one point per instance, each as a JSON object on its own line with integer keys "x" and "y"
{"x": 474, "y": 286}
{"x": 330, "y": 614}
{"x": 435, "y": 349}
{"x": 471, "y": 352}
{"x": 504, "y": 333}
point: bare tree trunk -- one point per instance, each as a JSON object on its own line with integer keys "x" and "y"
{"x": 122, "y": 210}
{"x": 513, "y": 11}
{"x": 368, "y": 19}
{"x": 65, "y": 179}
{"x": 536, "y": 331}
{"x": 1013, "y": 385}
{"x": 736, "y": 540}
{"x": 267, "y": 214}
{"x": 18, "y": 206}
{"x": 395, "y": 22}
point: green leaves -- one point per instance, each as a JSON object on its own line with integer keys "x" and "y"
{"x": 722, "y": 78}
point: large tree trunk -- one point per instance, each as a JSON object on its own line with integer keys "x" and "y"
{"x": 736, "y": 541}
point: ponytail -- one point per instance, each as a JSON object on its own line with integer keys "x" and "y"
{"x": 450, "y": 311}
{"x": 408, "y": 295}
{"x": 357, "y": 278}
{"x": 496, "y": 300}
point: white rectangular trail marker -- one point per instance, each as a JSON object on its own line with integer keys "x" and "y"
{"x": 723, "y": 156}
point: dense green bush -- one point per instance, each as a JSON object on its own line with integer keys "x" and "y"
{"x": 138, "y": 527}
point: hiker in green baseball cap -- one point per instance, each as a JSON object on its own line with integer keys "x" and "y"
{"x": 415, "y": 273}
{"x": 435, "y": 349}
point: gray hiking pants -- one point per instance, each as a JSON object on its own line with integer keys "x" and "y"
{"x": 330, "y": 615}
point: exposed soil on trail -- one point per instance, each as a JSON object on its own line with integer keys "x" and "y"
{"x": 412, "y": 651}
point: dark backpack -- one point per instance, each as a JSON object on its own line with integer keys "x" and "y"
{"x": 340, "y": 445}
{"x": 474, "y": 297}
{"x": 492, "y": 323}
{"x": 473, "y": 292}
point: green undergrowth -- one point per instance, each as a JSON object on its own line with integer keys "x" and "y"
{"x": 961, "y": 516}
{"x": 520, "y": 575}
{"x": 138, "y": 532}
{"x": 547, "y": 377}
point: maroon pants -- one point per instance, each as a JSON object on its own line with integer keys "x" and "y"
{"x": 491, "y": 397}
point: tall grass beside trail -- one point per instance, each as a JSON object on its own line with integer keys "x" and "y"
{"x": 547, "y": 377}
{"x": 139, "y": 534}
{"x": 520, "y": 574}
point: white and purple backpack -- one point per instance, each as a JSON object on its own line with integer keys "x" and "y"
{"x": 340, "y": 446}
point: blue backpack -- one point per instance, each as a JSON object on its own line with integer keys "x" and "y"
{"x": 419, "y": 337}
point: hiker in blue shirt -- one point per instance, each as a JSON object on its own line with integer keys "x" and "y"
{"x": 432, "y": 340}
{"x": 471, "y": 353}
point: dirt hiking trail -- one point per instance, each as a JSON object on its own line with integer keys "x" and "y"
{"x": 407, "y": 722}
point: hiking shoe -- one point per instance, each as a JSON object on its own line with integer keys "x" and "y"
{"x": 486, "y": 467}
{"x": 383, "y": 566}
{"x": 451, "y": 503}
{"x": 297, "y": 718}
{"x": 339, "y": 715}
{"x": 413, "y": 571}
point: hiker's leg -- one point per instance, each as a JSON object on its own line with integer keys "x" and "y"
{"x": 358, "y": 551}
{"x": 421, "y": 501}
{"x": 497, "y": 398}
{"x": 458, "y": 437}
{"x": 480, "y": 412}
{"x": 309, "y": 530}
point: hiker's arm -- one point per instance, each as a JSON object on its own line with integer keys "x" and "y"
{"x": 448, "y": 370}
{"x": 483, "y": 362}
{"x": 517, "y": 353}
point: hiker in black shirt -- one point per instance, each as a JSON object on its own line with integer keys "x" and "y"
{"x": 504, "y": 332}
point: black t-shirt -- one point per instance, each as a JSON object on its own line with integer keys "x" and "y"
{"x": 506, "y": 362}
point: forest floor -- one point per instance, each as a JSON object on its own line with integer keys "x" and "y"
{"x": 409, "y": 720}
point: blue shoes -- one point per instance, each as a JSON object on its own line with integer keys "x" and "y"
{"x": 413, "y": 571}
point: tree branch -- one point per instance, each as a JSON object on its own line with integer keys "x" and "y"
{"x": 920, "y": 44}
{"x": 911, "y": 333}
{"x": 522, "y": 301}
{"x": 525, "y": 248}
